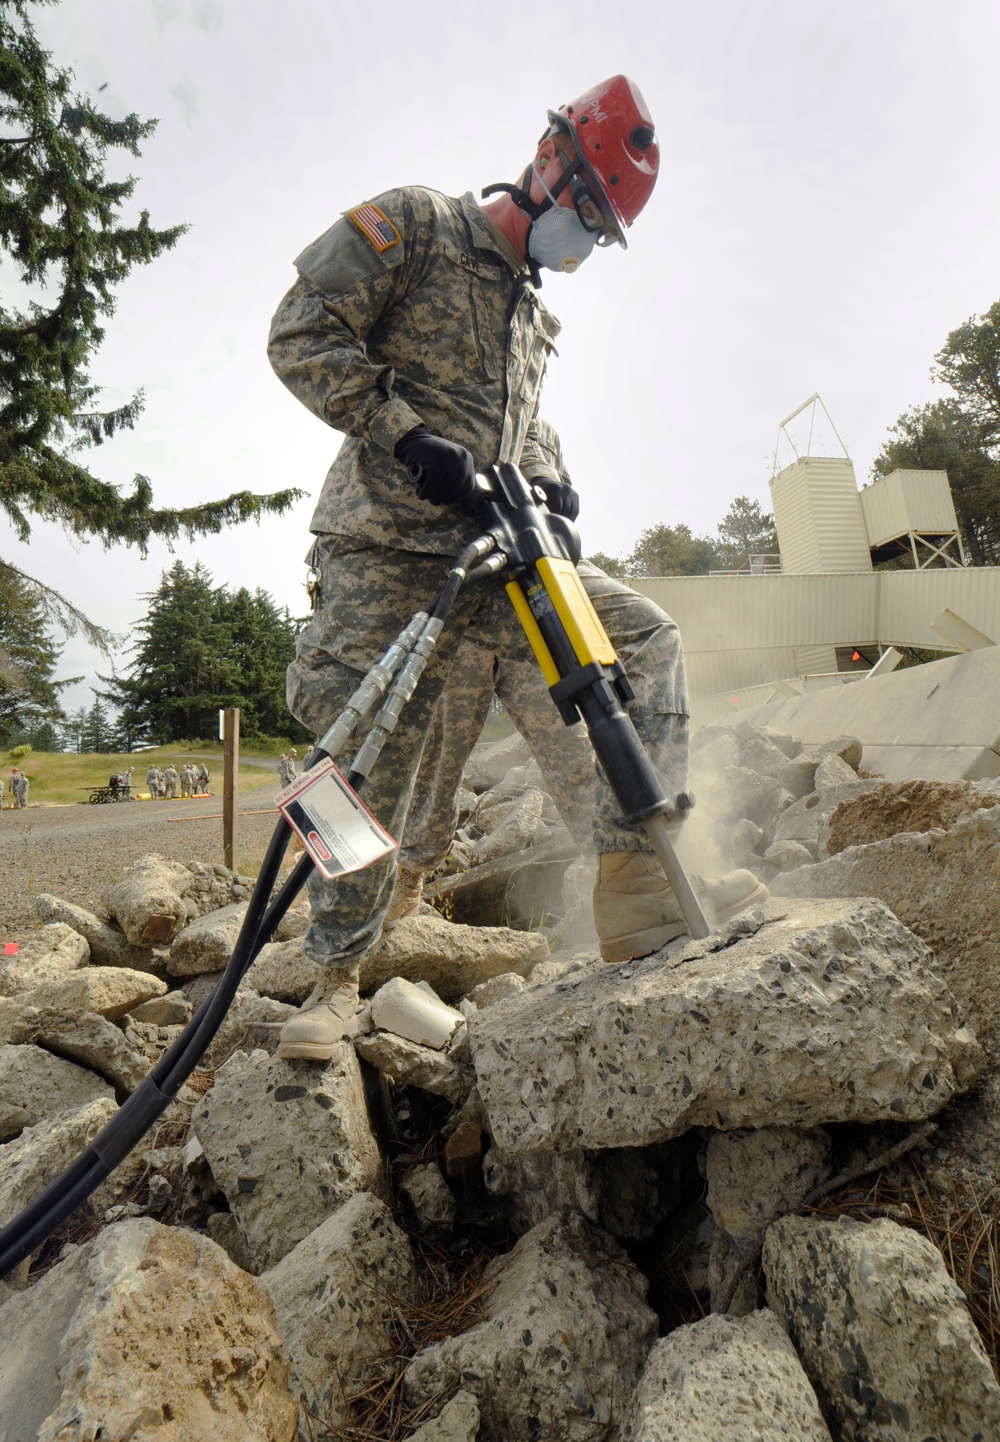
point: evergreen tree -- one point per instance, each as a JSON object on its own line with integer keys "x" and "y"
{"x": 610, "y": 565}
{"x": 62, "y": 226}
{"x": 671, "y": 551}
{"x": 181, "y": 667}
{"x": 262, "y": 643}
{"x": 28, "y": 693}
{"x": 201, "y": 648}
{"x": 71, "y": 731}
{"x": 744, "y": 531}
{"x": 945, "y": 437}
{"x": 969, "y": 362}
{"x": 97, "y": 732}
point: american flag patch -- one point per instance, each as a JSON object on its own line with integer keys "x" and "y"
{"x": 374, "y": 226}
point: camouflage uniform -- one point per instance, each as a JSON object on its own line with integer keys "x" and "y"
{"x": 563, "y": 753}
{"x": 170, "y": 782}
{"x": 434, "y": 321}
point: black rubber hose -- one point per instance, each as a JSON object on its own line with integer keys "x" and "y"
{"x": 155, "y": 1093}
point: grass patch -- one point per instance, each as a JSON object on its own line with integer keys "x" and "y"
{"x": 66, "y": 778}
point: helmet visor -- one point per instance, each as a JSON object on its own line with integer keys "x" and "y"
{"x": 588, "y": 208}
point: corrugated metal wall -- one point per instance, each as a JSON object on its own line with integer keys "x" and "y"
{"x": 746, "y": 630}
{"x": 908, "y": 501}
{"x": 817, "y": 513}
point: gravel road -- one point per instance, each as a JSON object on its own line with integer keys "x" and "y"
{"x": 74, "y": 851}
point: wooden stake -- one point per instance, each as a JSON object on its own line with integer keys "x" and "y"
{"x": 230, "y": 785}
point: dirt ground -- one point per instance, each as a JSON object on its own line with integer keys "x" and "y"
{"x": 75, "y": 851}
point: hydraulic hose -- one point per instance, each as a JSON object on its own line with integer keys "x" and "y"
{"x": 149, "y": 1101}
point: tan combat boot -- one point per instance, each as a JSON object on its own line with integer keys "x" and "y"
{"x": 636, "y": 912}
{"x": 406, "y": 898}
{"x": 327, "y": 1016}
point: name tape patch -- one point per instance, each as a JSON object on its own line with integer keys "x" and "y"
{"x": 376, "y": 228}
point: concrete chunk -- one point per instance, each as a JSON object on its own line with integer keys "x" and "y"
{"x": 567, "y": 1329}
{"x": 333, "y": 1298}
{"x": 723, "y": 1378}
{"x": 829, "y": 1012}
{"x": 288, "y": 1143}
{"x": 148, "y": 1332}
{"x": 883, "y": 1332}
{"x": 49, "y": 955}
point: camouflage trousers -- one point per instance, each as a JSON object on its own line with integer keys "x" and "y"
{"x": 366, "y": 597}
{"x": 564, "y": 753}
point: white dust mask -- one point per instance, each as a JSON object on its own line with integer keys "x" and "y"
{"x": 558, "y": 239}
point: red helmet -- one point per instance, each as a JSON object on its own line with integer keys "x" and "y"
{"x": 614, "y": 136}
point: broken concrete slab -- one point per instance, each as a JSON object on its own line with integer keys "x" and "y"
{"x": 451, "y": 958}
{"x": 409, "y": 1064}
{"x": 616, "y": 1190}
{"x": 943, "y": 886}
{"x": 458, "y": 1421}
{"x": 939, "y": 721}
{"x": 108, "y": 946}
{"x": 334, "y": 1299}
{"x": 283, "y": 970}
{"x": 414, "y": 1012}
{"x": 149, "y": 1330}
{"x": 884, "y": 1334}
{"x": 723, "y": 1377}
{"x": 430, "y": 1202}
{"x": 915, "y": 805}
{"x": 41, "y": 1152}
{"x": 35, "y": 1085}
{"x": 521, "y": 890}
{"x": 86, "y": 1038}
{"x": 48, "y": 955}
{"x": 566, "y": 1332}
{"x": 773, "y": 1028}
{"x": 288, "y": 1142}
{"x": 110, "y": 991}
{"x": 206, "y": 943}
{"x": 753, "y": 1177}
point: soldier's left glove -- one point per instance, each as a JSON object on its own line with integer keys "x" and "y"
{"x": 560, "y": 497}
{"x": 449, "y": 472}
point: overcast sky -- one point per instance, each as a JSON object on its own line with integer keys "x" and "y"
{"x": 827, "y": 211}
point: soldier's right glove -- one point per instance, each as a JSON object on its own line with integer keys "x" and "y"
{"x": 449, "y": 472}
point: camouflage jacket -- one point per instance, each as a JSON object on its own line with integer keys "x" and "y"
{"x": 412, "y": 309}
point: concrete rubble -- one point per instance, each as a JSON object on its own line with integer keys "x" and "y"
{"x": 312, "y": 1234}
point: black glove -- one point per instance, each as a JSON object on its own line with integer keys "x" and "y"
{"x": 449, "y": 472}
{"x": 560, "y": 497}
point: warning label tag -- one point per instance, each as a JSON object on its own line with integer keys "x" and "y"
{"x": 332, "y": 822}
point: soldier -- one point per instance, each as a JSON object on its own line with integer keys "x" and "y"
{"x": 170, "y": 782}
{"x": 186, "y": 780}
{"x": 153, "y": 780}
{"x": 203, "y": 778}
{"x": 416, "y": 327}
{"x": 283, "y": 769}
{"x": 2, "y": 789}
{"x": 19, "y": 785}
{"x": 127, "y": 783}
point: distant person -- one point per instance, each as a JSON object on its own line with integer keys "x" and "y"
{"x": 203, "y": 778}
{"x": 127, "y": 782}
{"x": 19, "y": 784}
{"x": 187, "y": 780}
{"x": 113, "y": 782}
{"x": 170, "y": 782}
{"x": 153, "y": 780}
{"x": 2, "y": 789}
